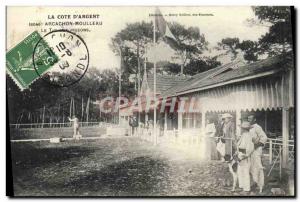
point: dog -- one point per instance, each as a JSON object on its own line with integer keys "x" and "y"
{"x": 232, "y": 162}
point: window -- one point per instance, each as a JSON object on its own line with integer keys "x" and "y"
{"x": 187, "y": 120}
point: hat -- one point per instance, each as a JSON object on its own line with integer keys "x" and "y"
{"x": 246, "y": 125}
{"x": 251, "y": 114}
{"x": 226, "y": 115}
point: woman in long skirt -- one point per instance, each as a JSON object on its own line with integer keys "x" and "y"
{"x": 210, "y": 144}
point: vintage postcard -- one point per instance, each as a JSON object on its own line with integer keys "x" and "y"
{"x": 166, "y": 101}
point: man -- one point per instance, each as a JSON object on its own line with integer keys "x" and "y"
{"x": 229, "y": 134}
{"x": 219, "y": 127}
{"x": 76, "y": 134}
{"x": 259, "y": 139}
{"x": 245, "y": 148}
{"x": 133, "y": 124}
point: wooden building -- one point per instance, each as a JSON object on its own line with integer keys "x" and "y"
{"x": 265, "y": 88}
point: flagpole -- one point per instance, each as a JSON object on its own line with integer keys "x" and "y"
{"x": 119, "y": 115}
{"x": 154, "y": 80}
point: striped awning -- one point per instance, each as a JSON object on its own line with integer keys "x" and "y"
{"x": 271, "y": 92}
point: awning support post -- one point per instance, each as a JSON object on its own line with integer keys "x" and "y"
{"x": 270, "y": 151}
{"x": 285, "y": 137}
{"x": 165, "y": 123}
{"x": 179, "y": 121}
{"x": 203, "y": 120}
{"x": 238, "y": 121}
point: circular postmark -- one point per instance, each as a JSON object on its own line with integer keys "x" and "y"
{"x": 66, "y": 60}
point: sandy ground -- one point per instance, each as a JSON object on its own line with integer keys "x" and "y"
{"x": 124, "y": 166}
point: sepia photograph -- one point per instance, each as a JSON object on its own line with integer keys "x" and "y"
{"x": 150, "y": 101}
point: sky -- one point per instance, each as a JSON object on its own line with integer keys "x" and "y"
{"x": 214, "y": 22}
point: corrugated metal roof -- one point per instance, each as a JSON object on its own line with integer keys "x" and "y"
{"x": 164, "y": 82}
{"x": 205, "y": 79}
{"x": 189, "y": 82}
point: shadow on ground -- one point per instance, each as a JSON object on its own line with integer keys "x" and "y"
{"x": 28, "y": 155}
{"x": 119, "y": 167}
{"x": 138, "y": 176}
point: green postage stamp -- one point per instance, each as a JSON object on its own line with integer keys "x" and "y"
{"x": 19, "y": 60}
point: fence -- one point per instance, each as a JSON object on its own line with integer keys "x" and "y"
{"x": 275, "y": 153}
{"x": 57, "y": 125}
{"x": 272, "y": 150}
{"x": 64, "y": 130}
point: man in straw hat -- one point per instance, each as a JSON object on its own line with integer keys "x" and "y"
{"x": 229, "y": 134}
{"x": 245, "y": 148}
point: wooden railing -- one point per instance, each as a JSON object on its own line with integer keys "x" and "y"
{"x": 275, "y": 153}
{"x": 275, "y": 145}
{"x": 272, "y": 148}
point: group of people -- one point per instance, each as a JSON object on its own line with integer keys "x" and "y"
{"x": 133, "y": 123}
{"x": 246, "y": 146}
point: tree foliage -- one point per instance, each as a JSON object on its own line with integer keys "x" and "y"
{"x": 279, "y": 37}
{"x": 131, "y": 43}
{"x": 233, "y": 45}
{"x": 27, "y": 106}
{"x": 191, "y": 43}
{"x": 134, "y": 39}
{"x": 198, "y": 66}
{"x": 277, "y": 40}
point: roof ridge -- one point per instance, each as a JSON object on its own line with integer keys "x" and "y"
{"x": 251, "y": 68}
{"x": 169, "y": 76}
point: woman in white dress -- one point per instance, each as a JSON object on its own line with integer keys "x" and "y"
{"x": 210, "y": 144}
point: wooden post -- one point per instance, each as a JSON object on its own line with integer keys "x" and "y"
{"x": 280, "y": 162}
{"x": 203, "y": 120}
{"x": 147, "y": 129}
{"x": 238, "y": 121}
{"x": 266, "y": 121}
{"x": 87, "y": 107}
{"x": 179, "y": 121}
{"x": 43, "y": 116}
{"x": 73, "y": 107}
{"x": 166, "y": 124}
{"x": 70, "y": 114}
{"x": 81, "y": 108}
{"x": 285, "y": 118}
{"x": 50, "y": 121}
{"x": 270, "y": 152}
{"x": 146, "y": 117}
{"x": 63, "y": 120}
{"x": 285, "y": 137}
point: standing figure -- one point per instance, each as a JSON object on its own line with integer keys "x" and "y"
{"x": 259, "y": 139}
{"x": 219, "y": 134}
{"x": 150, "y": 127}
{"x": 245, "y": 148}
{"x": 229, "y": 134}
{"x": 76, "y": 134}
{"x": 133, "y": 124}
{"x": 210, "y": 144}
